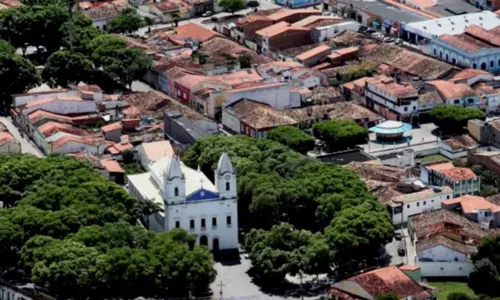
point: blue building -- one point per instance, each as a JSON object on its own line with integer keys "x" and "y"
{"x": 297, "y": 3}
{"x": 475, "y": 48}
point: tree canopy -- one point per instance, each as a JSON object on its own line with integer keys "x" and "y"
{"x": 127, "y": 21}
{"x": 232, "y": 5}
{"x": 64, "y": 67}
{"x": 485, "y": 277}
{"x": 340, "y": 134}
{"x": 453, "y": 118}
{"x": 75, "y": 233}
{"x": 293, "y": 138}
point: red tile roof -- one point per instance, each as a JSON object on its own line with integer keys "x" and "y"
{"x": 450, "y": 90}
{"x": 111, "y": 127}
{"x": 50, "y": 128}
{"x": 112, "y": 166}
{"x": 379, "y": 282}
{"x": 468, "y": 74}
{"x": 391, "y": 87}
{"x": 68, "y": 138}
{"x": 471, "y": 204}
{"x": 313, "y": 52}
{"x": 5, "y": 138}
{"x": 284, "y": 14}
{"x": 192, "y": 30}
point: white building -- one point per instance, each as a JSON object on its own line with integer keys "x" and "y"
{"x": 462, "y": 180}
{"x": 9, "y": 144}
{"x": 407, "y": 205}
{"x": 191, "y": 201}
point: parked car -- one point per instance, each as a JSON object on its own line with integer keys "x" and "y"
{"x": 388, "y": 40}
{"x": 398, "y": 236}
{"x": 398, "y": 41}
{"x": 207, "y": 14}
{"x": 401, "y": 251}
{"x": 370, "y": 31}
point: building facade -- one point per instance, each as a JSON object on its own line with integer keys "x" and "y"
{"x": 191, "y": 201}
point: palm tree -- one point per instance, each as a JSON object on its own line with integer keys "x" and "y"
{"x": 146, "y": 208}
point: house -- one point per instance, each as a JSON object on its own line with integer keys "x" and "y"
{"x": 102, "y": 13}
{"x": 149, "y": 153}
{"x": 453, "y": 93}
{"x": 462, "y": 180}
{"x": 45, "y": 135}
{"x": 246, "y": 27}
{"x": 187, "y": 130}
{"x": 311, "y": 57}
{"x": 471, "y": 76}
{"x": 457, "y": 146}
{"x": 379, "y": 282}
{"x": 476, "y": 209}
{"x": 281, "y": 36}
{"x": 112, "y": 132}
{"x": 113, "y": 171}
{"x": 341, "y": 56}
{"x": 29, "y": 291}
{"x": 485, "y": 132}
{"x": 392, "y": 100}
{"x": 444, "y": 242}
{"x": 191, "y": 201}
{"x": 488, "y": 159}
{"x": 321, "y": 33}
{"x": 190, "y": 31}
{"x": 166, "y": 11}
{"x": 9, "y": 144}
{"x": 413, "y": 203}
{"x": 475, "y": 48}
{"x": 427, "y": 101}
{"x": 253, "y": 118}
{"x": 121, "y": 146}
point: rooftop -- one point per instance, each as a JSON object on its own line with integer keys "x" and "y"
{"x": 447, "y": 242}
{"x": 422, "y": 195}
{"x": 450, "y": 90}
{"x": 391, "y": 87}
{"x": 461, "y": 142}
{"x": 391, "y": 127}
{"x": 111, "y": 127}
{"x": 50, "y": 128}
{"x": 259, "y": 115}
{"x": 107, "y": 10}
{"x": 346, "y": 157}
{"x": 472, "y": 204}
{"x": 468, "y": 74}
{"x": 279, "y": 28}
{"x": 431, "y": 97}
{"x": 333, "y": 111}
{"x": 385, "y": 11}
{"x": 377, "y": 282}
{"x": 112, "y": 166}
{"x": 286, "y": 13}
{"x": 6, "y": 137}
{"x": 193, "y": 31}
{"x": 317, "y": 21}
{"x": 156, "y": 150}
{"x": 449, "y": 170}
{"x": 313, "y": 52}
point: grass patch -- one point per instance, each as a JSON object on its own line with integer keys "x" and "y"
{"x": 432, "y": 158}
{"x": 448, "y": 287}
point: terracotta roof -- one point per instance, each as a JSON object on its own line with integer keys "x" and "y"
{"x": 432, "y": 223}
{"x": 444, "y": 241}
{"x": 468, "y": 74}
{"x": 471, "y": 204}
{"x": 11, "y": 3}
{"x": 6, "y": 137}
{"x": 422, "y": 195}
{"x": 120, "y": 147}
{"x": 111, "y": 127}
{"x": 461, "y": 142}
{"x": 51, "y": 99}
{"x": 489, "y": 36}
{"x": 408, "y": 268}
{"x": 253, "y": 18}
{"x": 218, "y": 47}
{"x": 317, "y": 21}
{"x": 258, "y": 115}
{"x": 378, "y": 282}
{"x": 112, "y": 166}
{"x": 104, "y": 11}
{"x": 273, "y": 29}
{"x": 347, "y": 50}
{"x": 194, "y": 31}
{"x": 68, "y": 138}
{"x": 313, "y": 52}
{"x": 144, "y": 103}
{"x": 283, "y": 14}
{"x": 450, "y": 90}
{"x": 51, "y": 128}
{"x": 449, "y": 170}
{"x": 388, "y": 85}
{"x": 422, "y": 3}
{"x": 431, "y": 97}
{"x": 256, "y": 86}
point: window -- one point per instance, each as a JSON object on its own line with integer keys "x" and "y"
{"x": 441, "y": 54}
{"x": 191, "y": 224}
{"x": 203, "y": 223}
{"x": 454, "y": 61}
{"x": 418, "y": 203}
{"x": 408, "y": 206}
{"x": 474, "y": 66}
{"x": 448, "y": 197}
{"x": 425, "y": 202}
{"x": 432, "y": 200}
{"x": 214, "y": 222}
{"x": 446, "y": 57}
{"x": 499, "y": 62}
{"x": 228, "y": 220}
{"x": 492, "y": 64}
{"x": 228, "y": 186}
{"x": 406, "y": 108}
{"x": 435, "y": 52}
{"x": 104, "y": 27}
{"x": 456, "y": 101}
{"x": 176, "y": 192}
{"x": 177, "y": 224}
{"x": 178, "y": 93}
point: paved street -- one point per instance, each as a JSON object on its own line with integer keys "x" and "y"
{"x": 26, "y": 145}
{"x": 238, "y": 285}
{"x": 392, "y": 250}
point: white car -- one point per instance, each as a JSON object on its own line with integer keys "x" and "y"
{"x": 207, "y": 14}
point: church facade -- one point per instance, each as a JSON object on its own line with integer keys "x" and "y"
{"x": 191, "y": 201}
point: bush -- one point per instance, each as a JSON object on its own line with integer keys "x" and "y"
{"x": 452, "y": 118}
{"x": 340, "y": 134}
{"x": 292, "y": 137}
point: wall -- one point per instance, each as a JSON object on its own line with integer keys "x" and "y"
{"x": 276, "y": 96}
{"x": 113, "y": 135}
{"x": 8, "y": 293}
{"x": 445, "y": 269}
{"x": 446, "y": 150}
{"x": 230, "y": 120}
{"x": 64, "y": 107}
{"x": 320, "y": 34}
{"x": 13, "y": 147}
{"x": 73, "y": 147}
{"x": 197, "y": 210}
{"x": 289, "y": 39}
{"x": 102, "y": 25}
{"x": 23, "y": 99}
{"x": 440, "y": 253}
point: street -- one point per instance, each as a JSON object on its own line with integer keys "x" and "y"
{"x": 26, "y": 145}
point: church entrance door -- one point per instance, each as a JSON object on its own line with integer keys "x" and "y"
{"x": 203, "y": 240}
{"x": 215, "y": 244}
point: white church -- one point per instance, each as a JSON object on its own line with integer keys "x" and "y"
{"x": 191, "y": 201}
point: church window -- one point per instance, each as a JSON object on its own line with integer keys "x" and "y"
{"x": 214, "y": 222}
{"x": 203, "y": 223}
{"x": 177, "y": 224}
{"x": 176, "y": 192}
{"x": 228, "y": 220}
{"x": 228, "y": 186}
{"x": 191, "y": 224}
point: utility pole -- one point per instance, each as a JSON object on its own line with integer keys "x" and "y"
{"x": 221, "y": 285}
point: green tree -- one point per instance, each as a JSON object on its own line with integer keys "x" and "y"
{"x": 245, "y": 61}
{"x": 64, "y": 68}
{"x": 17, "y": 76}
{"x": 7, "y": 48}
{"x": 388, "y": 296}
{"x": 318, "y": 256}
{"x": 459, "y": 296}
{"x": 340, "y": 134}
{"x": 127, "y": 21}
{"x": 147, "y": 208}
{"x": 293, "y": 138}
{"x": 81, "y": 36}
{"x": 232, "y": 5}
{"x": 358, "y": 233}
{"x": 452, "y": 118}
{"x": 128, "y": 65}
{"x": 484, "y": 278}
{"x": 253, "y": 3}
{"x": 103, "y": 48}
